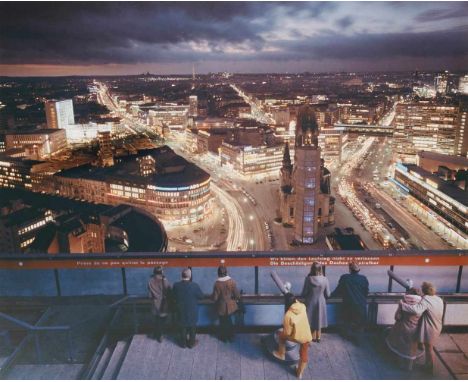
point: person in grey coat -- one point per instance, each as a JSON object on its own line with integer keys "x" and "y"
{"x": 431, "y": 309}
{"x": 186, "y": 295}
{"x": 158, "y": 291}
{"x": 316, "y": 289}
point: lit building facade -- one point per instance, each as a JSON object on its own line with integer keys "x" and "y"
{"x": 251, "y": 160}
{"x": 193, "y": 106}
{"x": 305, "y": 195}
{"x": 17, "y": 172}
{"x": 439, "y": 203}
{"x": 463, "y": 84}
{"x": 428, "y": 126}
{"x": 18, "y": 228}
{"x": 178, "y": 191}
{"x": 105, "y": 154}
{"x": 175, "y": 117}
{"x": 85, "y": 133}
{"x": 441, "y": 83}
{"x": 37, "y": 144}
{"x": 59, "y": 114}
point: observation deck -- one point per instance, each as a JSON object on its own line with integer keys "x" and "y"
{"x": 70, "y": 316}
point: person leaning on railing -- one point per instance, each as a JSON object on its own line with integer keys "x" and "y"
{"x": 159, "y": 290}
{"x": 353, "y": 288}
{"x": 402, "y": 337}
{"x": 225, "y": 296}
{"x": 316, "y": 289}
{"x": 431, "y": 309}
{"x": 186, "y": 295}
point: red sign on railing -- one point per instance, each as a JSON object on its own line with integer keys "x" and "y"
{"x": 232, "y": 261}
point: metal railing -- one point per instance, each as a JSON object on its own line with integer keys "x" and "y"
{"x": 34, "y": 330}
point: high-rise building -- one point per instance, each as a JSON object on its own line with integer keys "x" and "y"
{"x": 429, "y": 126}
{"x": 463, "y": 84}
{"x": 306, "y": 202}
{"x": 441, "y": 83}
{"x": 59, "y": 114}
{"x": 106, "y": 157}
{"x": 193, "y": 106}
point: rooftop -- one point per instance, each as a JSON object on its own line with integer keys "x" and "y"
{"x": 443, "y": 158}
{"x": 443, "y": 186}
{"x": 127, "y": 169}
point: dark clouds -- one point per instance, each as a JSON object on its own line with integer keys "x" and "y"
{"x": 149, "y": 32}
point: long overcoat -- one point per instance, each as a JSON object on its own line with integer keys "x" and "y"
{"x": 315, "y": 290}
{"x": 158, "y": 292}
{"x": 186, "y": 295}
{"x": 353, "y": 288}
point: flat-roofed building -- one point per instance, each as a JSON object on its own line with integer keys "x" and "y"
{"x": 438, "y": 199}
{"x": 17, "y": 172}
{"x": 178, "y": 191}
{"x": 37, "y": 144}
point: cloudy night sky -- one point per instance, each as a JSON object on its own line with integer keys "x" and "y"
{"x": 164, "y": 37}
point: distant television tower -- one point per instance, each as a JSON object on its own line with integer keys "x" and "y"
{"x": 193, "y": 72}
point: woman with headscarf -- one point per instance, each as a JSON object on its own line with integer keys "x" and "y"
{"x": 403, "y": 336}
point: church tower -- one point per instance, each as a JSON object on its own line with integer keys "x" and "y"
{"x": 306, "y": 177}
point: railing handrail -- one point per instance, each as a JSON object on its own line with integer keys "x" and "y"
{"x": 25, "y": 325}
{"x": 34, "y": 328}
{"x": 235, "y": 254}
{"x": 106, "y": 307}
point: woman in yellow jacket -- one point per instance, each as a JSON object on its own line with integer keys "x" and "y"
{"x": 295, "y": 328}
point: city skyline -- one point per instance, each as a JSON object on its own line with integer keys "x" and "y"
{"x": 48, "y": 39}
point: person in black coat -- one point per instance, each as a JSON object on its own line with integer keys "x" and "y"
{"x": 186, "y": 294}
{"x": 353, "y": 288}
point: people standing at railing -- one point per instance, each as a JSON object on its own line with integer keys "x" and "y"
{"x": 295, "y": 328}
{"x": 431, "y": 309}
{"x": 316, "y": 289}
{"x": 159, "y": 290}
{"x": 402, "y": 338}
{"x": 186, "y": 295}
{"x": 225, "y": 296}
{"x": 353, "y": 288}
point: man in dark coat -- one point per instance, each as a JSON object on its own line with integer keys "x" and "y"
{"x": 353, "y": 288}
{"x": 186, "y": 295}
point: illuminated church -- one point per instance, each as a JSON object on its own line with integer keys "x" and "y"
{"x": 305, "y": 196}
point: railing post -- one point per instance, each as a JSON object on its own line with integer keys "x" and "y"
{"x": 37, "y": 346}
{"x": 57, "y": 282}
{"x": 70, "y": 345}
{"x": 135, "y": 321}
{"x": 390, "y": 280}
{"x": 256, "y": 280}
{"x": 459, "y": 277}
{"x": 124, "y": 282}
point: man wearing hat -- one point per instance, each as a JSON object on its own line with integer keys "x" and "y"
{"x": 187, "y": 294}
{"x": 158, "y": 291}
{"x": 353, "y": 288}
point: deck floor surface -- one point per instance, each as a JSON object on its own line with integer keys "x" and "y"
{"x": 245, "y": 358}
